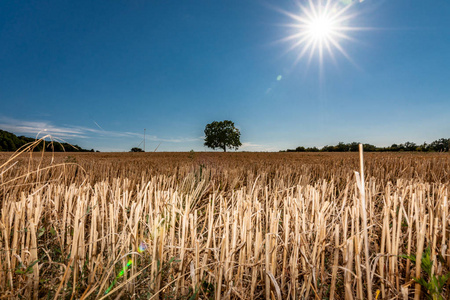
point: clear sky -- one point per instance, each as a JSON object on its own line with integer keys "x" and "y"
{"x": 96, "y": 73}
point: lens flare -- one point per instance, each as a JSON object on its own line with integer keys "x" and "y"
{"x": 121, "y": 273}
{"x": 142, "y": 247}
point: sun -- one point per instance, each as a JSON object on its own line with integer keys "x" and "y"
{"x": 319, "y": 29}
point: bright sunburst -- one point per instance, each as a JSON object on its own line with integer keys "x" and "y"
{"x": 320, "y": 25}
{"x": 320, "y": 28}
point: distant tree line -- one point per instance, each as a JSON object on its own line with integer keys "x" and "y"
{"x": 441, "y": 145}
{"x": 10, "y": 142}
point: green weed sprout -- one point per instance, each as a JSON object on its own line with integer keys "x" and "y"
{"x": 435, "y": 284}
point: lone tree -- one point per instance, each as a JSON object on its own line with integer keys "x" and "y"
{"x": 136, "y": 149}
{"x": 221, "y": 135}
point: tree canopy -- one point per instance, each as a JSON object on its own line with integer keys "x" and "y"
{"x": 441, "y": 145}
{"x": 222, "y": 135}
{"x": 136, "y": 149}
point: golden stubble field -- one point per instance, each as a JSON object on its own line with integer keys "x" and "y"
{"x": 223, "y": 226}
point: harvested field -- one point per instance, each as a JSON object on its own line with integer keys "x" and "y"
{"x": 222, "y": 225}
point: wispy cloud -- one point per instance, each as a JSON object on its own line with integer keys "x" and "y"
{"x": 154, "y": 138}
{"x": 41, "y": 128}
{"x": 248, "y": 146}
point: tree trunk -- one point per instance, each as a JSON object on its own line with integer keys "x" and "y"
{"x": 224, "y": 148}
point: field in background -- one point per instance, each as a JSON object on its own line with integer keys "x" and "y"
{"x": 221, "y": 225}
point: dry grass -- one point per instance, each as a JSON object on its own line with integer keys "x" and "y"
{"x": 220, "y": 225}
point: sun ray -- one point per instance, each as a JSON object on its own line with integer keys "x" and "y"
{"x": 303, "y": 52}
{"x": 343, "y": 52}
{"x": 330, "y": 51}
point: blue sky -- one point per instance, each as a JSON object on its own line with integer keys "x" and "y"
{"x": 96, "y": 73}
